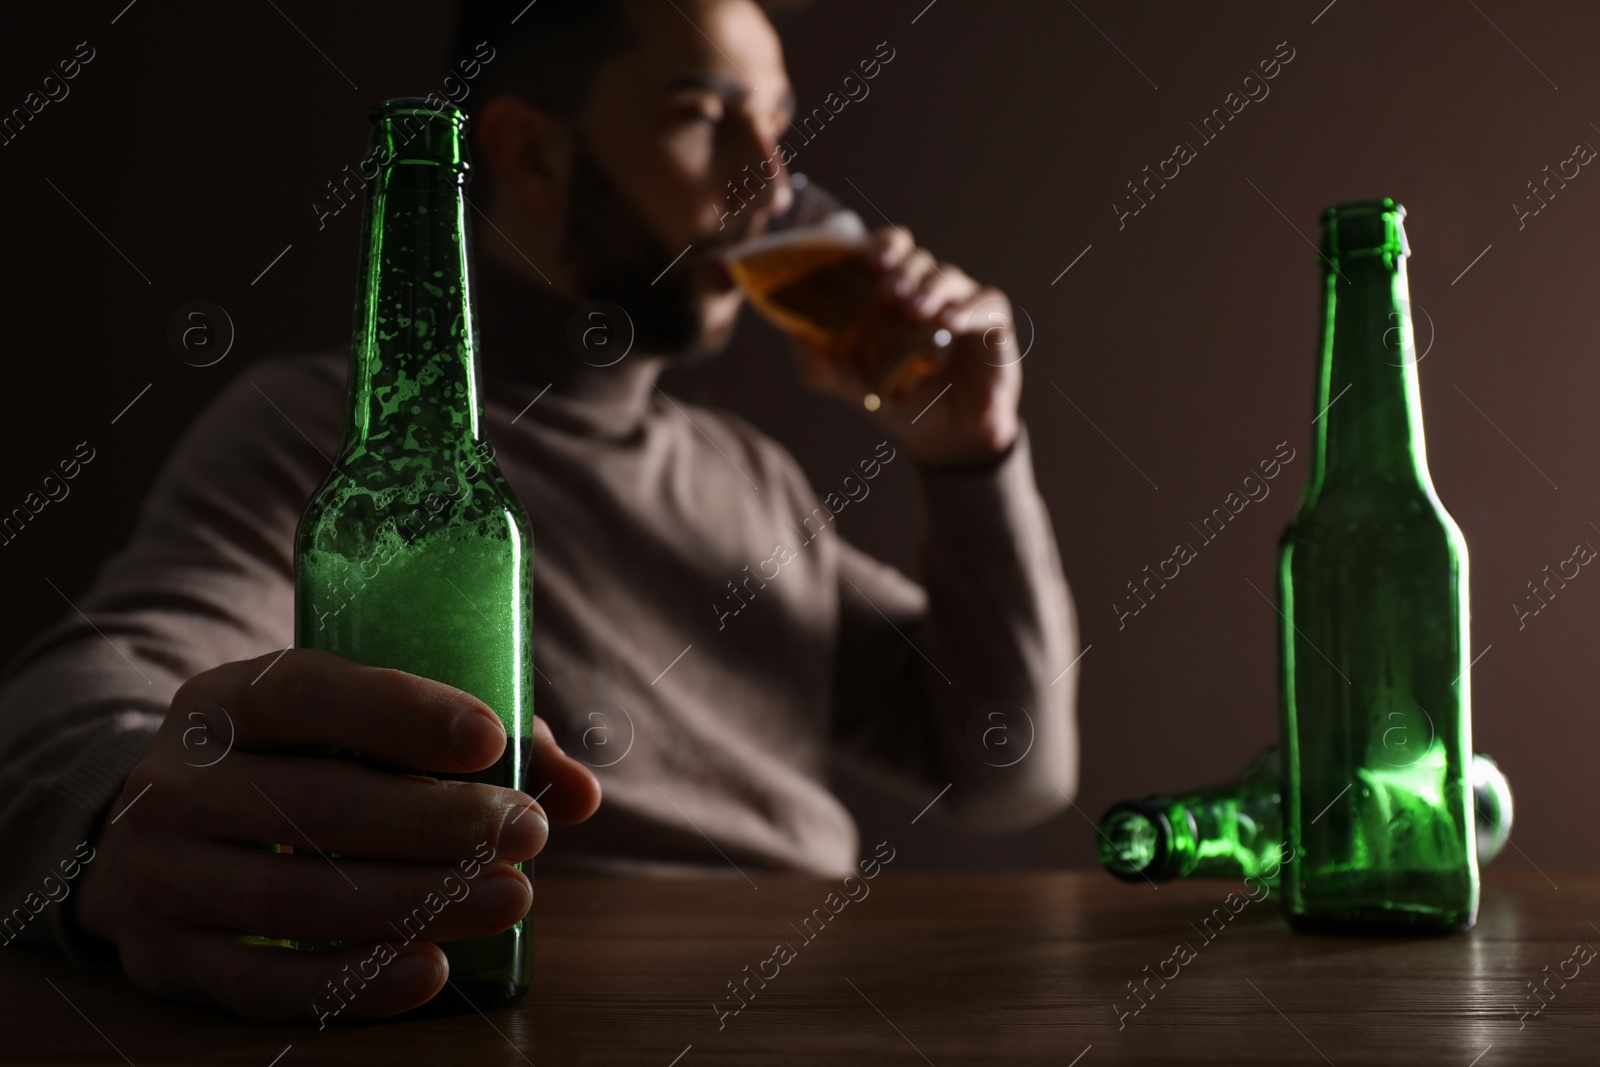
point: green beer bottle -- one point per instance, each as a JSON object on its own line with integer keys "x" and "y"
{"x": 415, "y": 554}
{"x": 1235, "y": 830}
{"x": 1374, "y": 644}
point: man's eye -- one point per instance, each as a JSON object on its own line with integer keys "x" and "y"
{"x": 699, "y": 116}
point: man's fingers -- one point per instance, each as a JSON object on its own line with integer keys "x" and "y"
{"x": 340, "y": 806}
{"x": 369, "y": 981}
{"x": 903, "y": 279}
{"x": 310, "y": 697}
{"x": 889, "y": 246}
{"x": 568, "y": 791}
{"x": 986, "y": 314}
{"x": 940, "y": 289}
{"x": 961, "y": 314}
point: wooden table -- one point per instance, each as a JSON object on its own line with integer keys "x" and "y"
{"x": 926, "y": 969}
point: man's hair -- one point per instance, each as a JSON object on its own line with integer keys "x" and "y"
{"x": 547, "y": 51}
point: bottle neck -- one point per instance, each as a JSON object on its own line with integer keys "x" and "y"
{"x": 414, "y": 385}
{"x": 1231, "y": 830}
{"x": 1368, "y": 425}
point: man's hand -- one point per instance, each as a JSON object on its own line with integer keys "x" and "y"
{"x": 179, "y": 870}
{"x": 976, "y": 420}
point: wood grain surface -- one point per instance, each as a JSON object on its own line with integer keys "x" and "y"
{"x": 924, "y": 969}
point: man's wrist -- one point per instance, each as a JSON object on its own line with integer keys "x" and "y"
{"x": 979, "y": 508}
{"x": 962, "y": 458}
{"x": 86, "y": 913}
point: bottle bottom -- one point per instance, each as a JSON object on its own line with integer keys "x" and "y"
{"x": 1381, "y": 902}
{"x": 485, "y": 973}
{"x": 1385, "y": 920}
{"x": 467, "y": 996}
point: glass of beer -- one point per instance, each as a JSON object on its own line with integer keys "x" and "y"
{"x": 810, "y": 276}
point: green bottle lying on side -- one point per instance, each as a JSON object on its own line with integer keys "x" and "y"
{"x": 1235, "y": 830}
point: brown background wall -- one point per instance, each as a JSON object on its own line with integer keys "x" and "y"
{"x": 1001, "y": 134}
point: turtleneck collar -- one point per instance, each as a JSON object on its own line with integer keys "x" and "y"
{"x": 523, "y": 338}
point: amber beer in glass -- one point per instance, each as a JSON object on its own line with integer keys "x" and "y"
{"x": 815, "y": 282}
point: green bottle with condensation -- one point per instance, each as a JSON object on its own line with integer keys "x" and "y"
{"x": 415, "y": 553}
{"x": 1374, "y": 650}
{"x": 1235, "y": 830}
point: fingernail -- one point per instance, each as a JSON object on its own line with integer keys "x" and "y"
{"x": 523, "y": 833}
{"x": 476, "y": 734}
{"x": 501, "y": 900}
{"x": 416, "y": 973}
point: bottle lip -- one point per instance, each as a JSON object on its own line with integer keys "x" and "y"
{"x": 409, "y": 130}
{"x": 1370, "y": 227}
{"x": 1371, "y": 205}
{"x": 1161, "y": 854}
{"x": 415, "y": 105}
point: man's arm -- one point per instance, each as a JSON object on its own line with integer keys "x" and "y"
{"x": 169, "y": 706}
{"x": 207, "y": 578}
{"x": 964, "y": 685}
{"x": 961, "y": 683}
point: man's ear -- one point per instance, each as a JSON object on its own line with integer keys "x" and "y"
{"x": 527, "y": 150}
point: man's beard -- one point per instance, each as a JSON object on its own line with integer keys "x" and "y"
{"x": 614, "y": 255}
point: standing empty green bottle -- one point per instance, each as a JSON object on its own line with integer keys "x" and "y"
{"x": 415, "y": 553}
{"x": 1374, "y": 649}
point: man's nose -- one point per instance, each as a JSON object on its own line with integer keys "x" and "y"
{"x": 778, "y": 197}
{"x": 763, "y": 185}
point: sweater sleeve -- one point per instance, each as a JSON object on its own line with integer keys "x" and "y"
{"x": 963, "y": 682}
{"x": 207, "y": 578}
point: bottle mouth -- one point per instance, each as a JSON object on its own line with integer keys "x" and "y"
{"x": 1133, "y": 841}
{"x": 411, "y": 129}
{"x": 416, "y": 105}
{"x": 1373, "y": 227}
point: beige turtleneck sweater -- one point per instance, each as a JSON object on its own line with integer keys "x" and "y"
{"x": 644, "y": 508}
